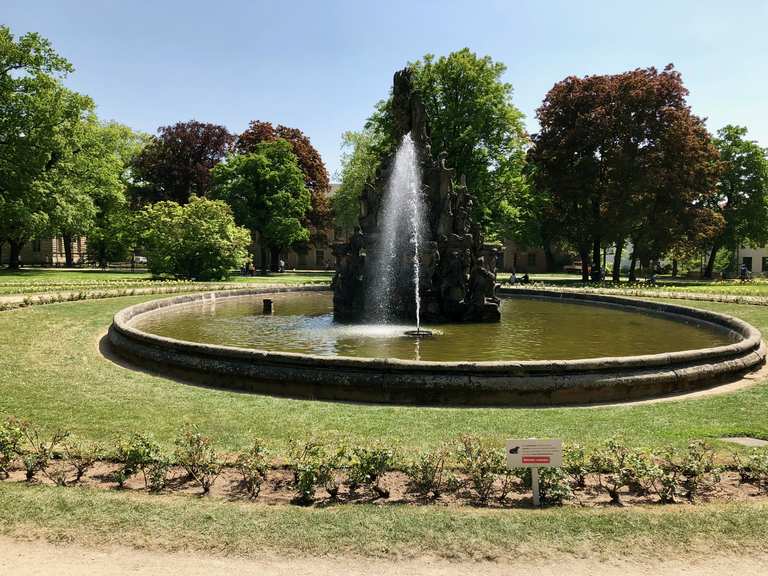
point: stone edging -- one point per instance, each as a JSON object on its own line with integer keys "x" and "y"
{"x": 459, "y": 383}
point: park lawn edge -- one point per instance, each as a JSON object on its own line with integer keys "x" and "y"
{"x": 100, "y": 519}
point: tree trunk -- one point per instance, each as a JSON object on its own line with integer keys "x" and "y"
{"x": 632, "y": 267}
{"x": 596, "y": 276}
{"x": 13, "y": 258}
{"x": 617, "y": 260}
{"x": 711, "y": 261}
{"x": 584, "y": 253}
{"x": 674, "y": 268}
{"x": 549, "y": 257}
{"x": 102, "y": 256}
{"x": 274, "y": 257}
{"x": 69, "y": 262}
{"x": 264, "y": 264}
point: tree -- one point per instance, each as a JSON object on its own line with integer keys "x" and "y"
{"x": 742, "y": 197}
{"x": 177, "y": 163}
{"x": 310, "y": 162}
{"x": 622, "y": 158}
{"x": 199, "y": 240}
{"x": 268, "y": 195}
{"x": 471, "y": 116}
{"x": 359, "y": 162}
{"x": 36, "y": 115}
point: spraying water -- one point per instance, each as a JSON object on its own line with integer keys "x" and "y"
{"x": 396, "y": 262}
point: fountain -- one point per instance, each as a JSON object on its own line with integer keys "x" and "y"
{"x": 418, "y": 254}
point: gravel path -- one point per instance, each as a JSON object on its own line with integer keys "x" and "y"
{"x": 37, "y": 558}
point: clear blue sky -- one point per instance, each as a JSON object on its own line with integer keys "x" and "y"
{"x": 321, "y": 65}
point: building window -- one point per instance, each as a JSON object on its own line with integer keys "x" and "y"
{"x": 35, "y": 245}
{"x": 320, "y": 258}
{"x": 531, "y": 259}
{"x": 747, "y": 261}
{"x": 765, "y": 264}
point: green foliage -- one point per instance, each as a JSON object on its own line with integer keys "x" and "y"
{"x": 426, "y": 473}
{"x": 39, "y": 449}
{"x": 266, "y": 191}
{"x": 253, "y": 466}
{"x": 359, "y": 162}
{"x": 314, "y": 467}
{"x": 753, "y": 468}
{"x": 697, "y": 465}
{"x": 198, "y": 240}
{"x": 10, "y": 443}
{"x": 481, "y": 464}
{"x": 743, "y": 191}
{"x": 366, "y": 466}
{"x": 576, "y": 463}
{"x": 82, "y": 456}
{"x": 156, "y": 474}
{"x": 618, "y": 467}
{"x": 553, "y": 485}
{"x": 196, "y": 454}
{"x": 472, "y": 117}
{"x": 136, "y": 453}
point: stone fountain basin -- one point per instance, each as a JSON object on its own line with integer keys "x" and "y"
{"x": 387, "y": 380}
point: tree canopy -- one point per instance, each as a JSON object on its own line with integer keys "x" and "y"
{"x": 622, "y": 158}
{"x": 311, "y": 164}
{"x": 742, "y": 194}
{"x": 199, "y": 240}
{"x": 177, "y": 162}
{"x": 267, "y": 193}
{"x": 471, "y": 116}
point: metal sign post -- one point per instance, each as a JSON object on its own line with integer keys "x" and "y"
{"x": 534, "y": 454}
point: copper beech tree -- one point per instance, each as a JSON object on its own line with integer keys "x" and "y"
{"x": 177, "y": 163}
{"x": 622, "y": 159}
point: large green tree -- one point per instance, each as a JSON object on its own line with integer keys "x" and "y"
{"x": 359, "y": 162}
{"x": 310, "y": 162}
{"x": 37, "y": 117}
{"x": 268, "y": 195}
{"x": 742, "y": 197}
{"x": 471, "y": 116}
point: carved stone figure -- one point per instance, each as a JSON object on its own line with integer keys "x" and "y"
{"x": 458, "y": 276}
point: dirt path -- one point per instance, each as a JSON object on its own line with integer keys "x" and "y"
{"x": 37, "y": 558}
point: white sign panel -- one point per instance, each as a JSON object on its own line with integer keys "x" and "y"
{"x": 533, "y": 453}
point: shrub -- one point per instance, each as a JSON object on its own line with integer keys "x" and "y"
{"x": 137, "y": 453}
{"x": 426, "y": 473}
{"x": 198, "y": 240}
{"x": 195, "y": 453}
{"x": 753, "y": 469}
{"x": 313, "y": 467}
{"x": 698, "y": 469}
{"x": 157, "y": 473}
{"x": 366, "y": 466}
{"x": 81, "y": 456}
{"x": 39, "y": 451}
{"x": 253, "y": 466}
{"x": 481, "y": 464}
{"x": 553, "y": 485}
{"x": 10, "y": 444}
{"x": 666, "y": 483}
{"x": 576, "y": 464}
{"x": 613, "y": 464}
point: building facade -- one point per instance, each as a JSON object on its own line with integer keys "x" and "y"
{"x": 47, "y": 252}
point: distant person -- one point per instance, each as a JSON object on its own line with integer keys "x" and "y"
{"x": 526, "y": 279}
{"x": 743, "y": 273}
{"x": 513, "y": 278}
{"x": 281, "y": 266}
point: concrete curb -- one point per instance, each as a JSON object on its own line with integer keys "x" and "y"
{"x": 388, "y": 380}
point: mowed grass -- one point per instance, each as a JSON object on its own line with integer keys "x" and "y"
{"x": 52, "y": 373}
{"x": 102, "y": 518}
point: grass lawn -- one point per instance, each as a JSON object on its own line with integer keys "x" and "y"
{"x": 93, "y": 517}
{"x": 36, "y": 280}
{"x": 52, "y": 373}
